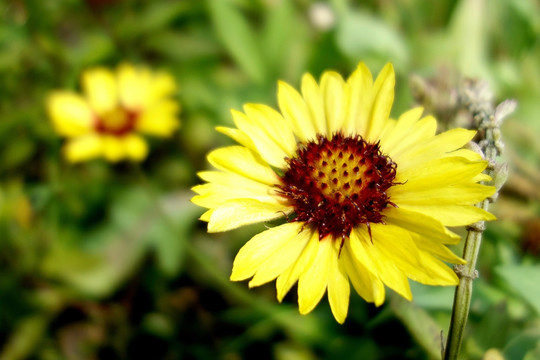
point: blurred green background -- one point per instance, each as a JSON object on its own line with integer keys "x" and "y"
{"x": 90, "y": 270}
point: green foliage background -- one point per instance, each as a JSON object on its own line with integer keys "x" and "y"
{"x": 91, "y": 269}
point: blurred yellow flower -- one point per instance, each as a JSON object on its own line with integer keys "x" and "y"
{"x": 116, "y": 108}
{"x": 368, "y": 199}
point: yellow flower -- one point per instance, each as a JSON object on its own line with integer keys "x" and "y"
{"x": 116, "y": 108}
{"x": 367, "y": 198}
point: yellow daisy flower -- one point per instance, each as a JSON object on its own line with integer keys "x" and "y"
{"x": 116, "y": 108}
{"x": 367, "y": 198}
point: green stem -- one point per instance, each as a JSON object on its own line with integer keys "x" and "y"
{"x": 462, "y": 298}
{"x": 477, "y": 99}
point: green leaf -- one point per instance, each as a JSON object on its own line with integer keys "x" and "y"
{"x": 97, "y": 272}
{"x": 528, "y": 9}
{"x": 524, "y": 279}
{"x": 163, "y": 236}
{"x": 24, "y": 338}
{"x": 468, "y": 38}
{"x": 113, "y": 252}
{"x": 433, "y": 297}
{"x": 186, "y": 46}
{"x": 18, "y": 150}
{"x": 360, "y": 35}
{"x": 523, "y": 344}
{"x": 92, "y": 47}
{"x": 238, "y": 37}
{"x": 493, "y": 331}
{"x": 286, "y": 350}
{"x": 278, "y": 32}
{"x": 160, "y": 227}
{"x": 155, "y": 17}
{"x": 533, "y": 354}
{"x": 419, "y": 323}
{"x": 161, "y": 13}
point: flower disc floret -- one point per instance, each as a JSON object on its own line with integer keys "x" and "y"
{"x": 117, "y": 122}
{"x": 339, "y": 183}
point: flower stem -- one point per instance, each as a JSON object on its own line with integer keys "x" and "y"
{"x": 462, "y": 298}
{"x": 477, "y": 99}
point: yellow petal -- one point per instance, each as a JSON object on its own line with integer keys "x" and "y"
{"x": 388, "y": 127}
{"x": 358, "y": 249}
{"x": 206, "y": 215}
{"x": 100, "y": 87}
{"x": 335, "y": 101}
{"x": 364, "y": 282}
{"x": 438, "y": 250}
{"x": 222, "y": 187}
{"x": 338, "y": 285}
{"x": 289, "y": 277}
{"x": 396, "y": 246}
{"x": 237, "y": 135}
{"x": 242, "y": 161}
{"x": 295, "y": 111}
{"x": 452, "y": 215}
{"x": 160, "y": 119}
{"x": 383, "y": 90}
{"x": 114, "y": 148}
{"x": 402, "y": 129}
{"x": 369, "y": 254}
{"x": 257, "y": 250}
{"x": 283, "y": 258}
{"x": 215, "y": 195}
{"x": 140, "y": 88}
{"x": 436, "y": 147}
{"x": 162, "y": 85}
{"x": 136, "y": 147}
{"x": 132, "y": 86}
{"x": 70, "y": 114}
{"x": 455, "y": 194}
{"x": 275, "y": 126}
{"x": 312, "y": 282}
{"x": 314, "y": 101}
{"x": 422, "y": 224}
{"x": 465, "y": 153}
{"x": 482, "y": 178}
{"x": 84, "y": 148}
{"x": 360, "y": 85}
{"x": 419, "y": 132}
{"x": 434, "y": 272}
{"x": 232, "y": 180}
{"x": 235, "y": 213}
{"x": 436, "y": 173}
{"x": 269, "y": 132}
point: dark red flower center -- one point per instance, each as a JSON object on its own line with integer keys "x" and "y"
{"x": 336, "y": 184}
{"x": 116, "y": 122}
